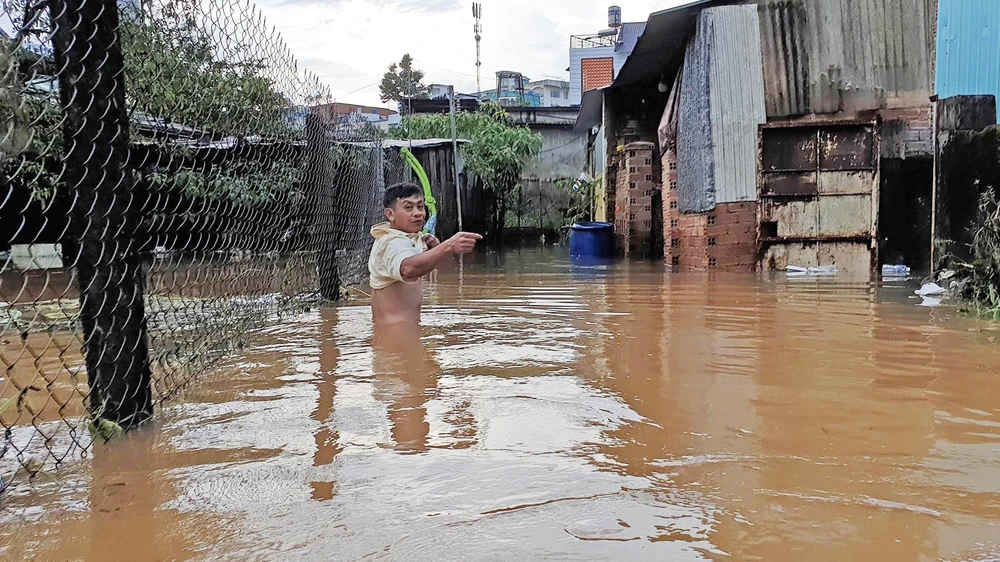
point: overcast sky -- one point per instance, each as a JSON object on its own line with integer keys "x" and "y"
{"x": 350, "y": 43}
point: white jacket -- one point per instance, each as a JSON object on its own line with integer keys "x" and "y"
{"x": 390, "y": 249}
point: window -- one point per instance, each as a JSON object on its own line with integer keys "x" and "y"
{"x": 565, "y": 94}
{"x": 553, "y": 94}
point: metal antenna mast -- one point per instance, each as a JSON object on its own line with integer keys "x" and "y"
{"x": 477, "y": 12}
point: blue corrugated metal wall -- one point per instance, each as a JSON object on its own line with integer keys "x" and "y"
{"x": 968, "y": 53}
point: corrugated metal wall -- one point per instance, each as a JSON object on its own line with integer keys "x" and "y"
{"x": 736, "y": 84}
{"x": 968, "y": 53}
{"x": 827, "y": 56}
{"x": 695, "y": 151}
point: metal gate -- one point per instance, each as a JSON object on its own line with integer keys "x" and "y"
{"x": 818, "y": 187}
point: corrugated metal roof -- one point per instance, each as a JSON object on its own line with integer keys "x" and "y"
{"x": 591, "y": 110}
{"x": 628, "y": 36}
{"x": 736, "y": 86}
{"x": 825, "y": 56}
{"x": 665, "y": 35}
{"x": 968, "y": 50}
{"x": 403, "y": 143}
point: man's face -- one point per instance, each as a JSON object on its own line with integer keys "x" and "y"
{"x": 407, "y": 214}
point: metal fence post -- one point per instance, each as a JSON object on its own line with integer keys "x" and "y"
{"x": 319, "y": 183}
{"x": 105, "y": 214}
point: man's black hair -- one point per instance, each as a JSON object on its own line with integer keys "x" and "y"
{"x": 400, "y": 191}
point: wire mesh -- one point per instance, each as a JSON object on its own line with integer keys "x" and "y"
{"x": 169, "y": 183}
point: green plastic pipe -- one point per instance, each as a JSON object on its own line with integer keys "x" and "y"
{"x": 429, "y": 200}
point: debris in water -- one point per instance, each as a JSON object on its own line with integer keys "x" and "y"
{"x": 930, "y": 302}
{"x": 930, "y": 290}
{"x": 824, "y": 270}
{"x": 895, "y": 271}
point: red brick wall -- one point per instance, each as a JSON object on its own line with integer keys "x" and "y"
{"x": 724, "y": 238}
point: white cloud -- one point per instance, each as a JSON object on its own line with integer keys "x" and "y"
{"x": 350, "y": 43}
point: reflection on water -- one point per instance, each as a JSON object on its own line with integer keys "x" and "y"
{"x": 550, "y": 410}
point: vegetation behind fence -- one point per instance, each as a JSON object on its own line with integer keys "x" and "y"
{"x": 165, "y": 188}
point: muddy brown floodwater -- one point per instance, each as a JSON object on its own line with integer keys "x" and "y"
{"x": 557, "y": 412}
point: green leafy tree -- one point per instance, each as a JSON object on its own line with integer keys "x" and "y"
{"x": 496, "y": 153}
{"x": 31, "y": 135}
{"x": 403, "y": 82}
{"x": 172, "y": 73}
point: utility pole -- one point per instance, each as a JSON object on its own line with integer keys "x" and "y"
{"x": 477, "y": 12}
{"x": 454, "y": 150}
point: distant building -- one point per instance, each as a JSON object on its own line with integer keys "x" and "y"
{"x": 440, "y": 92}
{"x": 517, "y": 90}
{"x": 553, "y": 93}
{"x": 596, "y": 59}
{"x": 349, "y": 116}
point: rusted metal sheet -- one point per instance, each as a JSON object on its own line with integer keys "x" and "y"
{"x": 794, "y": 219}
{"x": 847, "y": 256}
{"x": 846, "y": 148}
{"x": 790, "y": 150}
{"x": 827, "y": 56}
{"x": 846, "y": 183}
{"x": 845, "y": 215}
{"x": 835, "y": 216}
{"x": 790, "y": 185}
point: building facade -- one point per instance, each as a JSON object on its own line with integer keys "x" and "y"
{"x": 596, "y": 59}
{"x": 514, "y": 89}
{"x": 788, "y": 132}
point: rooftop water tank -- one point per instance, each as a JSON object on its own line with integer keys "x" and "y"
{"x": 614, "y": 16}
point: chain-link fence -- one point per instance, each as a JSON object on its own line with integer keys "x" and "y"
{"x": 167, "y": 184}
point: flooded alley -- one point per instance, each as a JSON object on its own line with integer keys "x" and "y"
{"x": 556, "y": 411}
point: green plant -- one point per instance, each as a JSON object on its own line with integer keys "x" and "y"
{"x": 495, "y": 155}
{"x": 105, "y": 430}
{"x": 979, "y": 281}
{"x": 173, "y": 72}
{"x": 580, "y": 194}
{"x": 403, "y": 82}
{"x": 497, "y": 150}
{"x": 244, "y": 182}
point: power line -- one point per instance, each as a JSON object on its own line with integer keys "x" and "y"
{"x": 362, "y": 88}
{"x": 428, "y": 65}
{"x": 561, "y": 146}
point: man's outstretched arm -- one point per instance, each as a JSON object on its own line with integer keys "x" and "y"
{"x": 417, "y": 266}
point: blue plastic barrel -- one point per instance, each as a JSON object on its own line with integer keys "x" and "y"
{"x": 592, "y": 240}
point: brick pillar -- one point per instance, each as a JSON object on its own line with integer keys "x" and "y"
{"x": 638, "y": 183}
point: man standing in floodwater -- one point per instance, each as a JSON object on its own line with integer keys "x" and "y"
{"x": 402, "y": 256}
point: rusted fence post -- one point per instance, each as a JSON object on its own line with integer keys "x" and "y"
{"x": 320, "y": 185}
{"x": 104, "y": 215}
